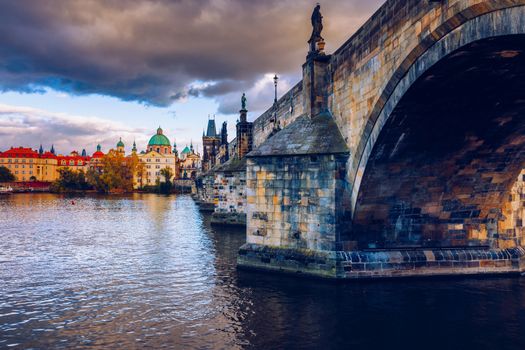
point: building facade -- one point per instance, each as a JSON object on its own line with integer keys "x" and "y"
{"x": 190, "y": 163}
{"x": 73, "y": 161}
{"x": 159, "y": 155}
{"x": 27, "y": 164}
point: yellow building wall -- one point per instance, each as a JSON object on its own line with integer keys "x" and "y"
{"x": 25, "y": 168}
{"x": 153, "y": 163}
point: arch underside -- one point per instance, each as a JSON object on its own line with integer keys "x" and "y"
{"x": 441, "y": 170}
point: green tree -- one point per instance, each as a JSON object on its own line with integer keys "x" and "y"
{"x": 95, "y": 180}
{"x": 167, "y": 185}
{"x": 70, "y": 180}
{"x": 6, "y": 175}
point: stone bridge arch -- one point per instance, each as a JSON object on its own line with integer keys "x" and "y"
{"x": 399, "y": 197}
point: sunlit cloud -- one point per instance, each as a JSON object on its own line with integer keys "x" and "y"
{"x": 30, "y": 127}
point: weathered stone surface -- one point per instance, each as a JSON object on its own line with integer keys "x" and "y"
{"x": 230, "y": 192}
{"x": 228, "y": 219}
{"x": 297, "y": 201}
{"x": 382, "y": 264}
{"x": 304, "y": 136}
{"x": 205, "y": 191}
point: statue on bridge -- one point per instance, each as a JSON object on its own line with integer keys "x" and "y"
{"x": 317, "y": 24}
{"x": 243, "y": 101}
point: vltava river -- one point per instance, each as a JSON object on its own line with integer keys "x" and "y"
{"x": 147, "y": 271}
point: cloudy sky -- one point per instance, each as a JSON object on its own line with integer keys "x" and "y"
{"x": 75, "y": 73}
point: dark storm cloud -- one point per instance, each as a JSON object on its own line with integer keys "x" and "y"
{"x": 161, "y": 51}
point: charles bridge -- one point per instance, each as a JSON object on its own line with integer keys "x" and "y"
{"x": 399, "y": 154}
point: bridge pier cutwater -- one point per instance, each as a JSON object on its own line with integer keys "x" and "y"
{"x": 406, "y": 155}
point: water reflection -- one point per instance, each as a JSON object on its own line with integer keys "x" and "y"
{"x": 147, "y": 271}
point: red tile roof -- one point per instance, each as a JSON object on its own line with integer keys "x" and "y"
{"x": 48, "y": 155}
{"x": 98, "y": 154}
{"x": 19, "y": 152}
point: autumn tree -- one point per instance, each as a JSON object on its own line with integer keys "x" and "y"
{"x": 117, "y": 173}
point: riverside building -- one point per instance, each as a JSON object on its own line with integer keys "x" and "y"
{"x": 28, "y": 164}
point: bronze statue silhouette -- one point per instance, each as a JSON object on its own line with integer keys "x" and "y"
{"x": 243, "y": 101}
{"x": 317, "y": 24}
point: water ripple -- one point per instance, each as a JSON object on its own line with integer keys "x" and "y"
{"x": 147, "y": 271}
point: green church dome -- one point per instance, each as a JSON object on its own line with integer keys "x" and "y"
{"x": 159, "y": 139}
{"x": 186, "y": 150}
{"x": 120, "y": 143}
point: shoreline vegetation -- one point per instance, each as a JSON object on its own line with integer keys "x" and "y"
{"x": 116, "y": 174}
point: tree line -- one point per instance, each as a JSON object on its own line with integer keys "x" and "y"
{"x": 115, "y": 174}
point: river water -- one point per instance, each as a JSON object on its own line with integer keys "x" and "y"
{"x": 148, "y": 271}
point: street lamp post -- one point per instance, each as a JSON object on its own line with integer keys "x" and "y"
{"x": 276, "y": 126}
{"x": 275, "y": 79}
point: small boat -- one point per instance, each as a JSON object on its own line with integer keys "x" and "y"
{"x": 6, "y": 190}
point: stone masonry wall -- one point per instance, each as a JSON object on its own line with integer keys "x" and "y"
{"x": 512, "y": 228}
{"x": 289, "y": 107}
{"x": 231, "y": 192}
{"x": 292, "y": 201}
{"x": 206, "y": 190}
